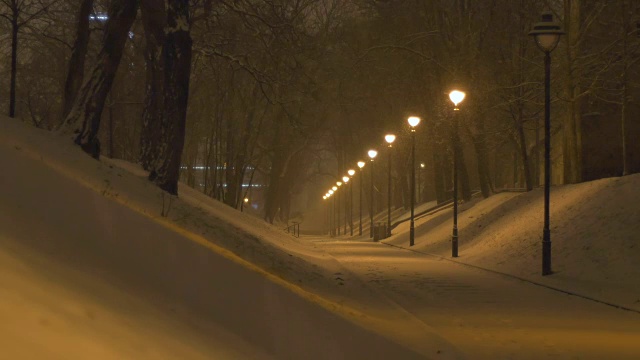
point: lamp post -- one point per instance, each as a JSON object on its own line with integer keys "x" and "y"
{"x": 456, "y": 98}
{"x": 389, "y": 139}
{"x": 351, "y": 172}
{"x": 361, "y": 165}
{"x": 324, "y": 198}
{"x": 547, "y": 35}
{"x": 419, "y": 182}
{"x": 413, "y": 122}
{"x": 333, "y": 192}
{"x": 345, "y": 180}
{"x": 372, "y": 155}
{"x": 339, "y": 183}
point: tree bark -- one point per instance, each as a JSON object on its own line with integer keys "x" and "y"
{"x": 14, "y": 60}
{"x": 84, "y": 118}
{"x": 75, "y": 74}
{"x": 572, "y": 139}
{"x": 153, "y": 21}
{"x": 177, "y": 68}
{"x": 480, "y": 144}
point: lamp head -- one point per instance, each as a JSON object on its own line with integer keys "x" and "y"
{"x": 547, "y": 32}
{"x": 345, "y": 179}
{"x": 413, "y": 121}
{"x": 456, "y": 97}
{"x": 331, "y": 191}
{"x": 339, "y": 183}
{"x": 390, "y": 138}
{"x": 361, "y": 164}
{"x": 352, "y": 172}
{"x": 335, "y": 188}
{"x": 372, "y": 154}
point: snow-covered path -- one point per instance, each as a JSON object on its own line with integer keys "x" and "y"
{"x": 490, "y": 316}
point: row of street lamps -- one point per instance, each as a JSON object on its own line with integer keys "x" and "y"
{"x": 547, "y": 34}
{"x": 456, "y": 97}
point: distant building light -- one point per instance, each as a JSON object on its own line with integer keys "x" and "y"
{"x": 99, "y": 17}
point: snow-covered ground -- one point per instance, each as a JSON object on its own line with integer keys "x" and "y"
{"x": 266, "y": 293}
{"x": 92, "y": 269}
{"x": 595, "y": 235}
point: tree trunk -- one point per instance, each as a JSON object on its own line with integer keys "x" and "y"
{"x": 438, "y": 172}
{"x": 572, "y": 139}
{"x": 177, "y": 68}
{"x": 154, "y": 21}
{"x": 14, "y": 61}
{"x": 84, "y": 118}
{"x": 75, "y": 74}
{"x": 480, "y": 145}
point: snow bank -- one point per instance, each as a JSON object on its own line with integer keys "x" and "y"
{"x": 189, "y": 259}
{"x": 595, "y": 234}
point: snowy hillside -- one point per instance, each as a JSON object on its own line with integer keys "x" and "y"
{"x": 103, "y": 243}
{"x": 595, "y": 234}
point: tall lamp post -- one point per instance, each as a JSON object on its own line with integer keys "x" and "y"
{"x": 456, "y": 98}
{"x": 390, "y": 138}
{"x": 339, "y": 183}
{"x": 420, "y": 182}
{"x": 345, "y": 180}
{"x": 361, "y": 165}
{"x": 413, "y": 122}
{"x": 372, "y": 155}
{"x": 547, "y": 35}
{"x": 351, "y": 172}
{"x": 335, "y": 220}
{"x": 324, "y": 198}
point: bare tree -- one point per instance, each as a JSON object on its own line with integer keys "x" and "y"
{"x": 75, "y": 74}
{"x": 19, "y": 13}
{"x": 176, "y": 54}
{"x": 84, "y": 118}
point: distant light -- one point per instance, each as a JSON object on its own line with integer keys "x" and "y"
{"x": 335, "y": 188}
{"x": 413, "y": 121}
{"x": 324, "y": 197}
{"x": 246, "y": 200}
{"x": 339, "y": 183}
{"x": 422, "y": 165}
{"x": 390, "y": 138}
{"x": 99, "y": 17}
{"x": 372, "y": 154}
{"x": 351, "y": 172}
{"x": 361, "y": 164}
{"x": 456, "y": 97}
{"x": 345, "y": 179}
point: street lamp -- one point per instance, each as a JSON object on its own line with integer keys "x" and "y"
{"x": 360, "y": 165}
{"x": 413, "y": 122}
{"x": 345, "y": 180}
{"x": 324, "y": 198}
{"x": 456, "y": 98}
{"x": 372, "y": 155}
{"x": 351, "y": 172}
{"x": 389, "y": 139}
{"x": 547, "y": 35}
{"x": 420, "y": 182}
{"x": 338, "y": 201}
{"x": 335, "y": 220}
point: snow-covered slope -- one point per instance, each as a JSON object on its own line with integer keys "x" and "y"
{"x": 88, "y": 252}
{"x": 595, "y": 234}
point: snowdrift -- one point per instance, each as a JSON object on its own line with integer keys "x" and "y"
{"x": 595, "y": 235}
